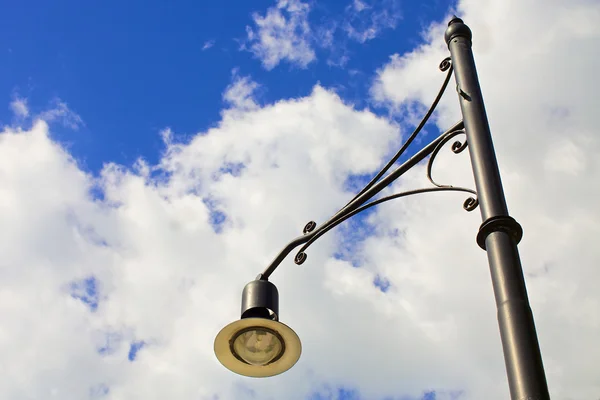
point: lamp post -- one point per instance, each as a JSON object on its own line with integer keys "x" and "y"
{"x": 259, "y": 345}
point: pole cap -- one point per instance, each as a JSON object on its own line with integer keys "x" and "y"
{"x": 456, "y": 27}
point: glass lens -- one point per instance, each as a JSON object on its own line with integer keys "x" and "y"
{"x": 257, "y": 346}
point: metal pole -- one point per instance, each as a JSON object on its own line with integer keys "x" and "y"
{"x": 499, "y": 234}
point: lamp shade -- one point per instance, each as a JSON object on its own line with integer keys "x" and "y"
{"x": 258, "y": 345}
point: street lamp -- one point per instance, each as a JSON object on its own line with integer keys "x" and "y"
{"x": 258, "y": 345}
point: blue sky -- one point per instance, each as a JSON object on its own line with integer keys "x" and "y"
{"x": 253, "y": 118}
{"x": 132, "y": 69}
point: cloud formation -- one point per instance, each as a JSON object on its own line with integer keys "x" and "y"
{"x": 282, "y": 34}
{"x": 60, "y": 112}
{"x": 286, "y": 33}
{"x": 208, "y": 44}
{"x": 365, "y": 21}
{"x": 19, "y": 107}
{"x": 114, "y": 286}
{"x": 239, "y": 95}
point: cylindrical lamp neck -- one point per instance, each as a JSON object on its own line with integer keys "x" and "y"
{"x": 260, "y": 299}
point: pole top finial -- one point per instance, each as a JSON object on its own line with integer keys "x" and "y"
{"x": 455, "y": 20}
{"x": 456, "y": 27}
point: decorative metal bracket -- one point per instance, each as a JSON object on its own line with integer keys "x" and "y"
{"x": 470, "y": 203}
{"x": 361, "y": 201}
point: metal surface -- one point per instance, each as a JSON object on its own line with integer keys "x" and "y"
{"x": 525, "y": 371}
{"x": 260, "y": 299}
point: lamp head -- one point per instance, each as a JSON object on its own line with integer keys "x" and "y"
{"x": 258, "y": 345}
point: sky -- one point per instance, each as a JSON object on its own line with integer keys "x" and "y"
{"x": 155, "y": 157}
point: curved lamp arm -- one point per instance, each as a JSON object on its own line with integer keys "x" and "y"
{"x": 360, "y": 202}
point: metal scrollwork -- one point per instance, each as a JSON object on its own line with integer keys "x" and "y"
{"x": 445, "y": 64}
{"x": 309, "y": 227}
{"x": 471, "y": 203}
{"x": 459, "y": 146}
{"x": 300, "y": 258}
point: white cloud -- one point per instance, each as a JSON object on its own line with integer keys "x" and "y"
{"x": 325, "y": 34}
{"x": 359, "y": 6}
{"x": 19, "y": 107}
{"x": 208, "y": 44}
{"x": 167, "y": 278}
{"x": 282, "y": 34}
{"x": 361, "y": 22}
{"x": 364, "y": 22}
{"x": 60, "y": 112}
{"x": 239, "y": 94}
{"x": 339, "y": 62}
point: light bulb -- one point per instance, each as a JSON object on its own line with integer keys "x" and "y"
{"x": 257, "y": 346}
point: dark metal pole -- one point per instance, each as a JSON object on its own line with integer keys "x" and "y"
{"x": 499, "y": 234}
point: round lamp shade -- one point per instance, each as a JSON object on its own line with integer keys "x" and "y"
{"x": 257, "y": 347}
